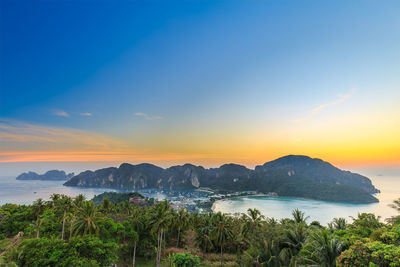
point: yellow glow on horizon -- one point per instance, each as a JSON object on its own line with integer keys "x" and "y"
{"x": 356, "y": 139}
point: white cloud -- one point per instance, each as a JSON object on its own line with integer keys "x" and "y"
{"x": 340, "y": 99}
{"x": 147, "y": 117}
{"x": 86, "y": 114}
{"x": 61, "y": 113}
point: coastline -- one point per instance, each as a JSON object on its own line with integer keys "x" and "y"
{"x": 213, "y": 206}
{"x": 232, "y": 197}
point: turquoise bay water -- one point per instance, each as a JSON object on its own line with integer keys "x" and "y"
{"x": 322, "y": 211}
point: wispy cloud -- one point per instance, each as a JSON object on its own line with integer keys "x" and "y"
{"x": 147, "y": 117}
{"x": 61, "y": 113}
{"x": 27, "y": 142}
{"x": 340, "y": 99}
{"x": 86, "y": 114}
{"x": 21, "y": 141}
{"x": 17, "y": 134}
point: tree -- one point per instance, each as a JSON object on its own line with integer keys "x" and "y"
{"x": 395, "y": 205}
{"x": 272, "y": 255}
{"x": 136, "y": 225}
{"x": 299, "y": 216}
{"x": 66, "y": 205}
{"x": 132, "y": 236}
{"x": 395, "y": 219}
{"x": 181, "y": 220}
{"x": 54, "y": 199}
{"x": 87, "y": 220}
{"x": 338, "y": 224}
{"x": 38, "y": 208}
{"x": 80, "y": 251}
{"x": 295, "y": 238}
{"x": 185, "y": 260}
{"x": 365, "y": 224}
{"x": 79, "y": 200}
{"x": 253, "y": 220}
{"x": 203, "y": 229}
{"x": 106, "y": 205}
{"x": 160, "y": 221}
{"x": 222, "y": 231}
{"x": 321, "y": 249}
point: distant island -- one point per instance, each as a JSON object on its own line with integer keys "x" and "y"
{"x": 53, "y": 175}
{"x": 293, "y": 175}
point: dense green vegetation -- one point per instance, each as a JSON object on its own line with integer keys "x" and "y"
{"x": 115, "y": 197}
{"x": 74, "y": 232}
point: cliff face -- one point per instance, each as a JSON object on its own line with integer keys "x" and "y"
{"x": 181, "y": 177}
{"x": 127, "y": 176}
{"x": 52, "y": 175}
{"x": 288, "y": 176}
{"x": 319, "y": 171}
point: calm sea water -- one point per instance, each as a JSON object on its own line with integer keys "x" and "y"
{"x": 25, "y": 192}
{"x": 322, "y": 211}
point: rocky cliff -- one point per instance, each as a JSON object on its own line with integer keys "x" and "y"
{"x": 299, "y": 176}
{"x": 50, "y": 176}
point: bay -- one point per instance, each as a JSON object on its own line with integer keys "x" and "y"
{"x": 322, "y": 211}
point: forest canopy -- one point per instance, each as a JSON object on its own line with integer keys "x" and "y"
{"x": 67, "y": 231}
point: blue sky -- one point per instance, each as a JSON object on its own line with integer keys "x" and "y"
{"x": 196, "y": 78}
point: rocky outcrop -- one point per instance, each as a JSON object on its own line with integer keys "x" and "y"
{"x": 319, "y": 171}
{"x": 52, "y": 175}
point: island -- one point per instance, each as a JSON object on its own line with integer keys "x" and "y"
{"x": 290, "y": 176}
{"x": 53, "y": 175}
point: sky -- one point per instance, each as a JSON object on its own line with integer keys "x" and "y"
{"x": 98, "y": 83}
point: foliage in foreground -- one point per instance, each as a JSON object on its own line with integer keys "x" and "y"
{"x": 74, "y": 232}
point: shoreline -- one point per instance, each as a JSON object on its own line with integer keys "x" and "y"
{"x": 232, "y": 197}
{"x": 298, "y": 198}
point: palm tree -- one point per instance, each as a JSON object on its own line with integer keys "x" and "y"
{"x": 106, "y": 205}
{"x": 79, "y": 200}
{"x": 322, "y": 250}
{"x": 339, "y": 223}
{"x": 203, "y": 229}
{"x": 253, "y": 220}
{"x": 66, "y": 205}
{"x": 395, "y": 205}
{"x": 87, "y": 220}
{"x": 137, "y": 225}
{"x": 38, "y": 207}
{"x": 54, "y": 199}
{"x": 271, "y": 255}
{"x": 160, "y": 221}
{"x": 36, "y": 227}
{"x": 71, "y": 218}
{"x": 299, "y": 217}
{"x": 181, "y": 220}
{"x": 295, "y": 238}
{"x": 196, "y": 219}
{"x": 222, "y": 231}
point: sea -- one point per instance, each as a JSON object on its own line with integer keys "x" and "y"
{"x": 25, "y": 192}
